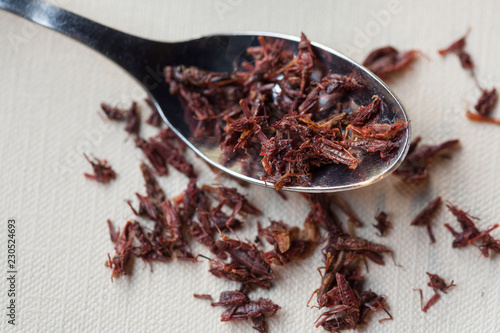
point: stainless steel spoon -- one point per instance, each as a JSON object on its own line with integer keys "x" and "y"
{"x": 145, "y": 60}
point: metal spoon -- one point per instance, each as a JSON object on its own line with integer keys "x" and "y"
{"x": 145, "y": 60}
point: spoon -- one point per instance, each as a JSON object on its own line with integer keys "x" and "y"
{"x": 145, "y": 60}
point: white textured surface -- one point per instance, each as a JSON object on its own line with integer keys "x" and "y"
{"x": 51, "y": 88}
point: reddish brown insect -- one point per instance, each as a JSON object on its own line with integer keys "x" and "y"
{"x": 150, "y": 205}
{"x": 437, "y": 284}
{"x": 358, "y": 246}
{"x": 289, "y": 244}
{"x": 231, "y": 198}
{"x": 154, "y": 119}
{"x": 113, "y": 113}
{"x": 378, "y": 131}
{"x": 366, "y": 113}
{"x": 382, "y": 223}
{"x": 147, "y": 208}
{"x": 254, "y": 310}
{"x": 458, "y": 48}
{"x": 103, "y": 172}
{"x": 153, "y": 246}
{"x": 123, "y": 246}
{"x": 173, "y": 221}
{"x": 193, "y": 204}
{"x": 424, "y": 217}
{"x": 484, "y": 107}
{"x": 241, "y": 307}
{"x": 486, "y": 102}
{"x": 131, "y": 115}
{"x": 247, "y": 264}
{"x": 246, "y": 255}
{"x": 133, "y": 120}
{"x": 468, "y": 226}
{"x": 488, "y": 243}
{"x": 192, "y": 201}
{"x": 161, "y": 153}
{"x": 349, "y": 298}
{"x": 153, "y": 189}
{"x": 327, "y": 293}
{"x": 387, "y": 60}
{"x": 277, "y": 233}
{"x": 414, "y": 166}
{"x": 372, "y": 302}
{"x": 236, "y": 272}
{"x": 470, "y": 235}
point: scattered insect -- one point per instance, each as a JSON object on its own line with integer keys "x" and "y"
{"x": 113, "y": 113}
{"x": 387, "y": 60}
{"x": 470, "y": 235}
{"x": 458, "y": 48}
{"x": 241, "y": 307}
{"x": 437, "y": 284}
{"x": 414, "y": 166}
{"x": 103, "y": 172}
{"x": 424, "y": 217}
{"x": 133, "y": 120}
{"x": 154, "y": 119}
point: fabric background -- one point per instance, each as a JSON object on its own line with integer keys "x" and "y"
{"x": 51, "y": 88}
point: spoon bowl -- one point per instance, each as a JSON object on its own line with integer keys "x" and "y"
{"x": 146, "y": 59}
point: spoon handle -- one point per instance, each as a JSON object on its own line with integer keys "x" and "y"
{"x": 122, "y": 48}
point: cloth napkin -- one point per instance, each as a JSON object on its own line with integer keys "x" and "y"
{"x": 51, "y": 88}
